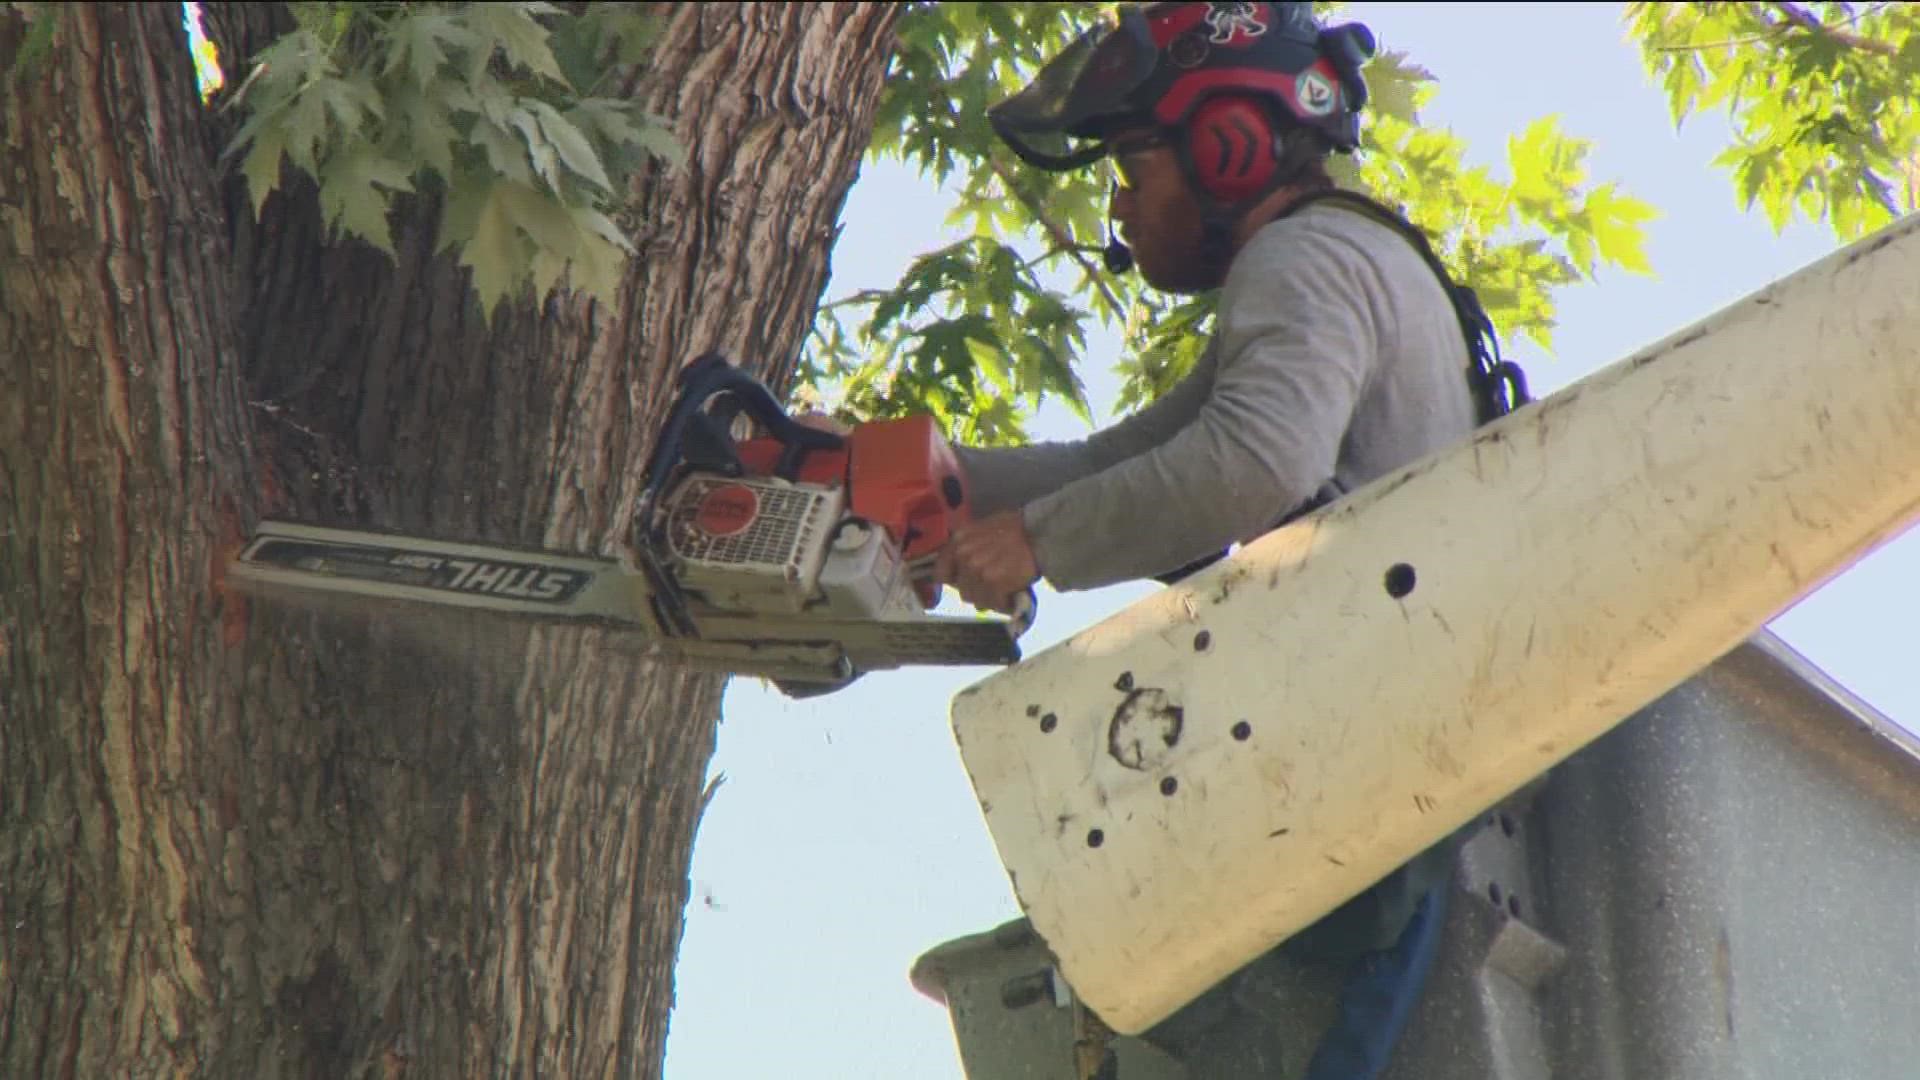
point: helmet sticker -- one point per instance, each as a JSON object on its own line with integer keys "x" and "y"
{"x": 1235, "y": 24}
{"x": 1314, "y": 93}
{"x": 1189, "y": 50}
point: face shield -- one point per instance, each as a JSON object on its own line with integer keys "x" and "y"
{"x": 1056, "y": 122}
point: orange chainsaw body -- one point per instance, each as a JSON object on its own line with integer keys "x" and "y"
{"x": 901, "y": 475}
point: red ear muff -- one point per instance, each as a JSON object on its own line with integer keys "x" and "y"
{"x": 1231, "y": 144}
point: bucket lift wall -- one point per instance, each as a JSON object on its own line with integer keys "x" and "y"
{"x": 1721, "y": 888}
{"x": 1175, "y": 790}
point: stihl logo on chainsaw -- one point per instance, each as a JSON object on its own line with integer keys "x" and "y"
{"x": 516, "y": 580}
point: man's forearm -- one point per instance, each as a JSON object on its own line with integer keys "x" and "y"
{"x": 1147, "y": 516}
{"x": 1267, "y": 438}
{"x": 1011, "y": 477}
{"x": 1007, "y": 478}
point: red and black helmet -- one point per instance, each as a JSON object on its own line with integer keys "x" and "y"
{"x": 1158, "y": 63}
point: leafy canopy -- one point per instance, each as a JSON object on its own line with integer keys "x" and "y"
{"x": 1824, "y": 100}
{"x": 496, "y": 107}
{"x": 493, "y": 105}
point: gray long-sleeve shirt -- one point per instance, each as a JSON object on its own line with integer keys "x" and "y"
{"x": 1335, "y": 355}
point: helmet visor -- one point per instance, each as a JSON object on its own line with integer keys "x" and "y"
{"x": 1056, "y": 121}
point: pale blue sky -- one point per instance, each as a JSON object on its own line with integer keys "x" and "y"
{"x": 846, "y": 840}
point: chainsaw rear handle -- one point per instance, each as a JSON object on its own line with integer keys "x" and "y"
{"x": 712, "y": 374}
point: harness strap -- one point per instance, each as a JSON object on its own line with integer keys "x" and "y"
{"x": 1498, "y": 385}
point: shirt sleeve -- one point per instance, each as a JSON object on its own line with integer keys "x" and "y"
{"x": 1007, "y": 478}
{"x": 1296, "y": 341}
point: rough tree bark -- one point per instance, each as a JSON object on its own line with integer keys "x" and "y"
{"x": 244, "y": 841}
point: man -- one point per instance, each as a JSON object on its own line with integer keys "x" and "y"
{"x": 1341, "y": 353}
{"x": 1338, "y": 356}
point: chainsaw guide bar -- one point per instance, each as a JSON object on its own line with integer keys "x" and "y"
{"x": 287, "y": 558}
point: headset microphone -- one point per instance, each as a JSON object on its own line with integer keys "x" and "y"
{"x": 1117, "y": 256}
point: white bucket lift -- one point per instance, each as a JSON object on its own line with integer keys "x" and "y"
{"x": 1175, "y": 790}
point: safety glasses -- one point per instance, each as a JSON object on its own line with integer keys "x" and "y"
{"x": 1124, "y": 155}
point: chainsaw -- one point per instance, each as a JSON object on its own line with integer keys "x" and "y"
{"x": 798, "y": 555}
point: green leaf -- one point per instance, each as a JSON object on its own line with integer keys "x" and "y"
{"x": 537, "y": 213}
{"x": 420, "y": 39}
{"x": 512, "y": 29}
{"x": 545, "y": 161}
{"x": 351, "y": 197}
{"x": 261, "y": 166}
{"x": 292, "y": 60}
{"x": 595, "y": 223}
{"x": 425, "y": 130}
{"x": 305, "y": 128}
{"x": 485, "y": 98}
{"x": 564, "y": 240}
{"x": 607, "y": 117}
{"x": 597, "y": 271}
{"x": 576, "y": 153}
{"x": 546, "y": 270}
{"x": 349, "y": 100}
{"x": 504, "y": 152}
{"x": 1619, "y": 227}
{"x": 1396, "y": 86}
{"x": 467, "y": 193}
{"x": 495, "y": 253}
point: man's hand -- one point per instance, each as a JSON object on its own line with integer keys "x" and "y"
{"x": 989, "y": 561}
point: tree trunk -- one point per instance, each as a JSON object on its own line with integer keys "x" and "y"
{"x": 250, "y": 841}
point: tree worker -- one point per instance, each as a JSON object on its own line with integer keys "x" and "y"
{"x": 1341, "y": 351}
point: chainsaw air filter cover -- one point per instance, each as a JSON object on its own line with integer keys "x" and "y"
{"x": 751, "y": 543}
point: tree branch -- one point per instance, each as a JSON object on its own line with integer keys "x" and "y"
{"x": 1063, "y": 241}
{"x": 1795, "y": 17}
{"x": 1774, "y": 31}
{"x": 1805, "y": 19}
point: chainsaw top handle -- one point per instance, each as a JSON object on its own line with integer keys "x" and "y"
{"x": 710, "y": 375}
